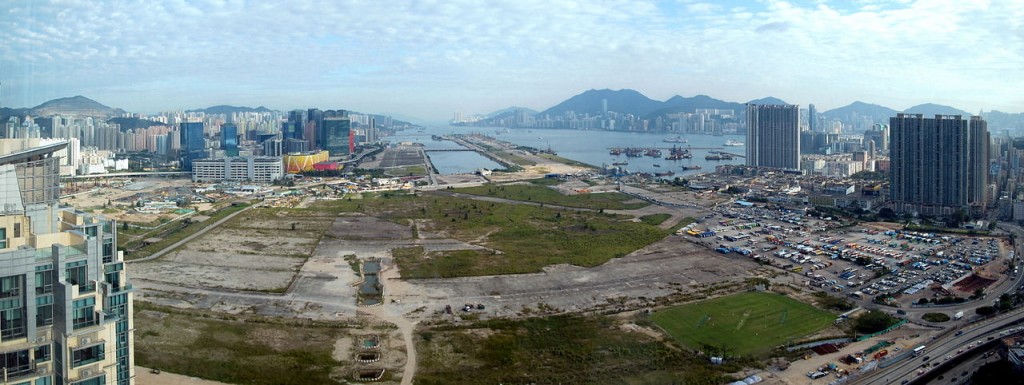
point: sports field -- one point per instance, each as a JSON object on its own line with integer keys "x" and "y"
{"x": 744, "y": 323}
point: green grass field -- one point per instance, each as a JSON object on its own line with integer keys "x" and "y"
{"x": 745, "y": 323}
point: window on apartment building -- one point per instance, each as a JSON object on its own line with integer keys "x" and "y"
{"x": 44, "y": 310}
{"x": 42, "y": 353}
{"x": 44, "y": 279}
{"x": 17, "y": 230}
{"x": 108, "y": 250}
{"x": 93, "y": 381}
{"x": 10, "y": 286}
{"x": 12, "y": 322}
{"x": 85, "y": 356}
{"x": 77, "y": 273}
{"x": 83, "y": 314}
{"x": 16, "y": 362}
{"x": 3, "y": 237}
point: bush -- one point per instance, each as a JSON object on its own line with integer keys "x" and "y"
{"x": 935, "y": 317}
{"x": 873, "y": 321}
{"x": 985, "y": 311}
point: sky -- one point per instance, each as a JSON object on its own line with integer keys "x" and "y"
{"x": 428, "y": 59}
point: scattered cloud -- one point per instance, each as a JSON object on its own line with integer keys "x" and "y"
{"x": 432, "y": 58}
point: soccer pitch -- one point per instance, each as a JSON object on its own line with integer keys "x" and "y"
{"x": 743, "y": 323}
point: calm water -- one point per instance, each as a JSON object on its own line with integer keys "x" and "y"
{"x": 586, "y": 146}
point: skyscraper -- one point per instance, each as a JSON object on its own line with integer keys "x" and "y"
{"x": 296, "y": 125}
{"x": 229, "y": 139}
{"x": 812, "y": 118}
{"x": 193, "y": 143}
{"x": 67, "y": 304}
{"x": 938, "y": 165}
{"x": 773, "y": 136}
{"x": 337, "y": 130}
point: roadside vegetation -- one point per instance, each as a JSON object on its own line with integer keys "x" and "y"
{"x": 935, "y": 317}
{"x": 537, "y": 192}
{"x": 559, "y": 350}
{"x": 171, "y": 233}
{"x": 873, "y": 321}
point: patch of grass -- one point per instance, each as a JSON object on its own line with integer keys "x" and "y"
{"x": 528, "y": 237}
{"x": 536, "y": 192}
{"x": 742, "y": 324}
{"x": 935, "y": 317}
{"x": 565, "y": 161}
{"x": 407, "y": 170}
{"x": 655, "y": 219}
{"x": 234, "y": 351}
{"x": 557, "y": 350}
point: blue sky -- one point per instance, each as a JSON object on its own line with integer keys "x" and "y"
{"x": 431, "y": 58}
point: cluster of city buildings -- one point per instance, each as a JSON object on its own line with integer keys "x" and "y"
{"x": 938, "y": 165}
{"x": 256, "y": 146}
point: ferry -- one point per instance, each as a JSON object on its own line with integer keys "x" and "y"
{"x": 677, "y": 139}
{"x": 733, "y": 143}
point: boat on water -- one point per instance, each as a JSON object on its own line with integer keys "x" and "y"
{"x": 615, "y": 151}
{"x": 718, "y": 157}
{"x": 733, "y": 143}
{"x": 667, "y": 173}
{"x": 678, "y": 139}
{"x": 677, "y": 153}
{"x": 657, "y": 165}
{"x": 690, "y": 168}
{"x": 620, "y": 163}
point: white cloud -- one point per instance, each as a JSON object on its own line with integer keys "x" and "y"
{"x": 433, "y": 57}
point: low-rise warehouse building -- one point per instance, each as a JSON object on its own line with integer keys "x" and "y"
{"x": 259, "y": 169}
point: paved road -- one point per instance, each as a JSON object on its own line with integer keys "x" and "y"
{"x": 936, "y": 350}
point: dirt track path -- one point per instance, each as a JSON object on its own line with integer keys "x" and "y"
{"x": 388, "y": 314}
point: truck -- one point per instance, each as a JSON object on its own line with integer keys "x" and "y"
{"x": 958, "y": 315}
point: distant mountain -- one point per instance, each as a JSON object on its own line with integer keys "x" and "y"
{"x": 623, "y": 101}
{"x": 678, "y": 104}
{"x": 767, "y": 100}
{"x": 75, "y": 106}
{"x": 856, "y": 110}
{"x": 930, "y": 109}
{"x": 998, "y": 120}
{"x": 133, "y": 123}
{"x": 505, "y": 111}
{"x": 228, "y": 110}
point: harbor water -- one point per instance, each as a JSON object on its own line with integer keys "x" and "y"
{"x": 591, "y": 147}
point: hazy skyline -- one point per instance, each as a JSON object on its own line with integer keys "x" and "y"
{"x": 428, "y": 59}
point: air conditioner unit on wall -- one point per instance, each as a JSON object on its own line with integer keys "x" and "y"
{"x": 85, "y": 373}
{"x": 84, "y": 340}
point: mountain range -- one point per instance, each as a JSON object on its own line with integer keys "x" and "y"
{"x": 82, "y": 106}
{"x": 627, "y": 101}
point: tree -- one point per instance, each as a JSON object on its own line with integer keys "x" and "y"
{"x": 887, "y": 214}
{"x": 985, "y": 311}
{"x": 873, "y": 321}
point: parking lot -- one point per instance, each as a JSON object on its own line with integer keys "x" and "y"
{"x": 862, "y": 261}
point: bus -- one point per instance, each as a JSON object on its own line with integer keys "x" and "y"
{"x": 918, "y": 350}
